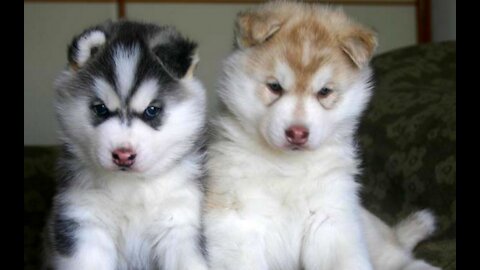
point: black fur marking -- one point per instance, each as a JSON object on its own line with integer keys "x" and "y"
{"x": 155, "y": 123}
{"x": 93, "y": 51}
{"x": 64, "y": 230}
{"x": 96, "y": 120}
{"x": 202, "y": 243}
{"x": 176, "y": 55}
{"x": 149, "y": 68}
{"x": 66, "y": 168}
{"x": 101, "y": 67}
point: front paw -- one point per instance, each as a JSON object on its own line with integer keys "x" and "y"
{"x": 196, "y": 266}
{"x": 420, "y": 265}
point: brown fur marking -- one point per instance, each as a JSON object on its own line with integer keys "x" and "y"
{"x": 309, "y": 38}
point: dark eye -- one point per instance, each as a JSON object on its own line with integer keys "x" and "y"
{"x": 275, "y": 87}
{"x": 151, "y": 112}
{"x": 100, "y": 110}
{"x": 324, "y": 92}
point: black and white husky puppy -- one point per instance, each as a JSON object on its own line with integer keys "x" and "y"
{"x": 132, "y": 118}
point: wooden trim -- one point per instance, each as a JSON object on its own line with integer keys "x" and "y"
{"x": 424, "y": 21}
{"x": 357, "y": 2}
{"x": 353, "y": 2}
{"x": 69, "y": 1}
{"x": 422, "y": 8}
{"x": 121, "y": 9}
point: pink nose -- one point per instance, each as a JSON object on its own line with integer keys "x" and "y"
{"x": 123, "y": 157}
{"x": 297, "y": 135}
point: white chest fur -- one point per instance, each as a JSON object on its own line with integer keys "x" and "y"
{"x": 275, "y": 204}
{"x": 135, "y": 214}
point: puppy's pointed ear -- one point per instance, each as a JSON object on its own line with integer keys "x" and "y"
{"x": 177, "y": 54}
{"x": 359, "y": 44}
{"x": 255, "y": 27}
{"x": 85, "y": 45}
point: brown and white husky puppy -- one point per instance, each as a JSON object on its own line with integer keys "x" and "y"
{"x": 281, "y": 191}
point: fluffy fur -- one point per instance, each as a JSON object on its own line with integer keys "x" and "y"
{"x": 131, "y": 119}
{"x": 275, "y": 200}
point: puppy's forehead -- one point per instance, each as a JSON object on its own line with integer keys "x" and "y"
{"x": 105, "y": 92}
{"x": 114, "y": 74}
{"x": 147, "y": 91}
{"x": 126, "y": 66}
{"x": 307, "y": 48}
{"x": 125, "y": 62}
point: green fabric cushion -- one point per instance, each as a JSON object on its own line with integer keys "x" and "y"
{"x": 408, "y": 141}
{"x": 38, "y": 188}
{"x": 439, "y": 252}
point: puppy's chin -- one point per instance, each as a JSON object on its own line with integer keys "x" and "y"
{"x": 128, "y": 170}
{"x": 286, "y": 147}
{"x": 113, "y": 168}
{"x": 107, "y": 166}
{"x": 137, "y": 170}
{"x": 296, "y": 148}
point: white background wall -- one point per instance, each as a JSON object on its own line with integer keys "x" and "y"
{"x": 47, "y": 30}
{"x": 49, "y": 27}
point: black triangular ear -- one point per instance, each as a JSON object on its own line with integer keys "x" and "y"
{"x": 177, "y": 54}
{"x": 85, "y": 45}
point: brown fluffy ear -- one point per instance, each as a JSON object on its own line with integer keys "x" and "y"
{"x": 360, "y": 45}
{"x": 253, "y": 28}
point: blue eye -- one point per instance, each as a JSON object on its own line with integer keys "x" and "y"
{"x": 101, "y": 110}
{"x": 151, "y": 112}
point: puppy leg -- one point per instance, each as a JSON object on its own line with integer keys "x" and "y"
{"x": 180, "y": 249}
{"x": 234, "y": 244}
{"x": 392, "y": 248}
{"x": 415, "y": 228}
{"x": 334, "y": 241}
{"x": 93, "y": 249}
{"x": 420, "y": 265}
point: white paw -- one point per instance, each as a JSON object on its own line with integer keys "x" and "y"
{"x": 420, "y": 265}
{"x": 197, "y": 266}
